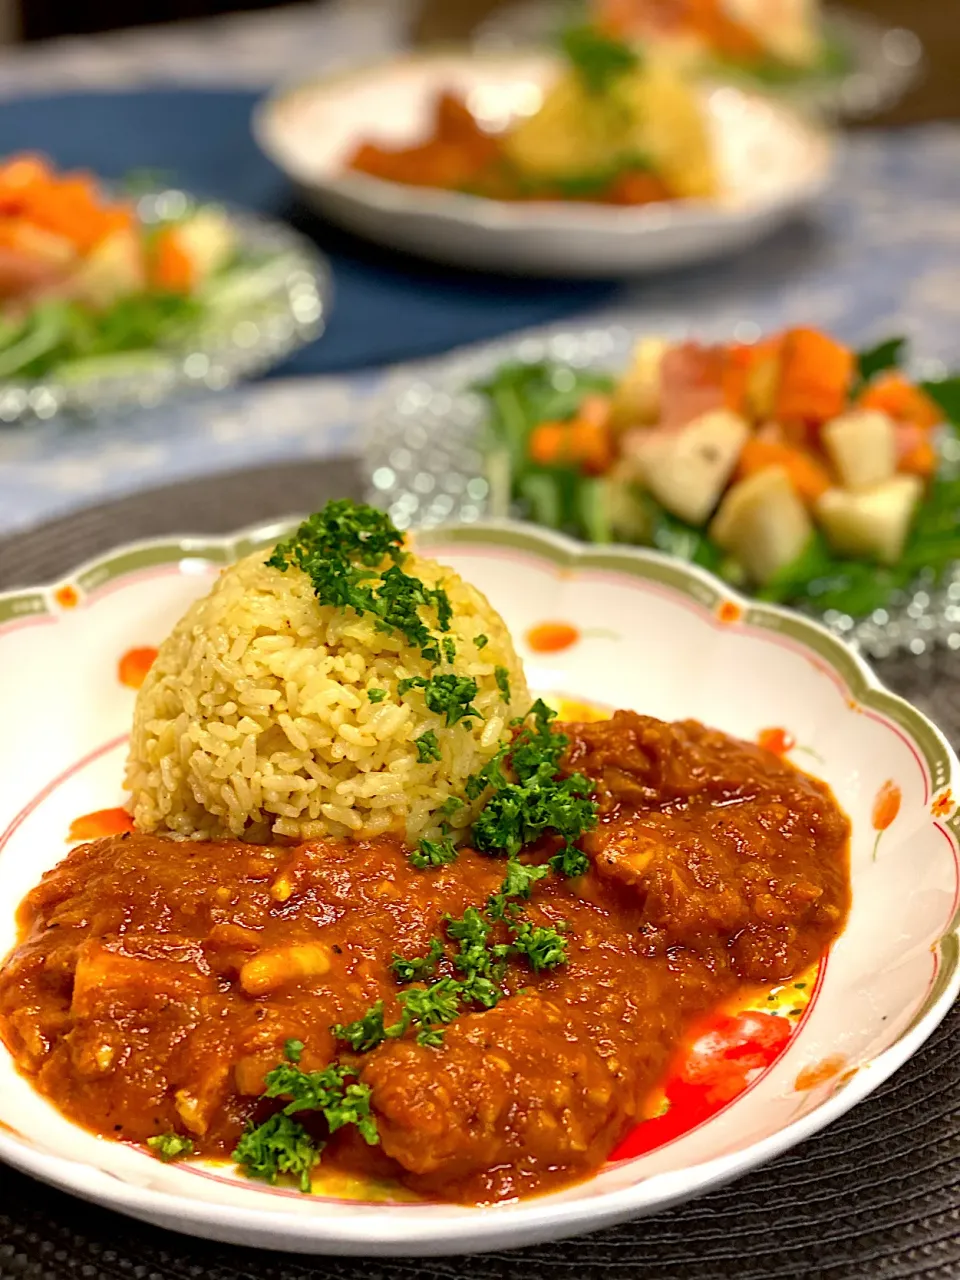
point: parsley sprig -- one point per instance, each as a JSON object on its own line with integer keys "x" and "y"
{"x": 170, "y": 1146}
{"x": 598, "y": 59}
{"x": 426, "y": 1008}
{"x": 282, "y": 1145}
{"x": 481, "y": 964}
{"x": 278, "y": 1146}
{"x": 416, "y": 968}
{"x": 538, "y": 800}
{"x": 342, "y": 550}
{"x": 433, "y": 853}
{"x": 446, "y": 695}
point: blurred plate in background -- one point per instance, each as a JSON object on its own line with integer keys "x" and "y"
{"x": 868, "y": 67}
{"x": 275, "y": 300}
{"x": 772, "y": 163}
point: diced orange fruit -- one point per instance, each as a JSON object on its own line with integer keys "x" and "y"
{"x": 895, "y": 395}
{"x": 171, "y": 267}
{"x": 808, "y": 476}
{"x": 815, "y": 378}
{"x": 585, "y": 441}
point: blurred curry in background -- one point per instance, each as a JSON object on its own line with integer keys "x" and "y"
{"x": 614, "y": 126}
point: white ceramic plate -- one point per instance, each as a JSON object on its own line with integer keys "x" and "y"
{"x": 772, "y": 165}
{"x": 661, "y": 638}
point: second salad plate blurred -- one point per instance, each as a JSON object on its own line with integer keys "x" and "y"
{"x": 517, "y": 162}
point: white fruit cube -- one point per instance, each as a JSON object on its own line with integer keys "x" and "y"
{"x": 636, "y": 400}
{"x": 862, "y": 446}
{"x": 208, "y": 239}
{"x": 686, "y": 469}
{"x": 873, "y": 523}
{"x": 112, "y": 270}
{"x": 763, "y": 524}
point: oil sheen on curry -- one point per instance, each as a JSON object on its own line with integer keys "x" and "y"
{"x": 158, "y": 982}
{"x": 381, "y": 915}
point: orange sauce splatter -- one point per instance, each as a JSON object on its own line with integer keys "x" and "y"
{"x": 552, "y": 637}
{"x": 102, "y": 822}
{"x": 134, "y": 665}
{"x": 886, "y": 806}
{"x": 729, "y": 612}
{"x": 581, "y": 712}
{"x": 67, "y": 597}
{"x": 779, "y": 741}
{"x": 821, "y": 1072}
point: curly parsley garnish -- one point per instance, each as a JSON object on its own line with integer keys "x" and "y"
{"x": 365, "y": 1033}
{"x": 481, "y": 641}
{"x": 278, "y": 1146}
{"x": 342, "y": 550}
{"x": 416, "y": 968}
{"x": 376, "y": 695}
{"x": 170, "y": 1146}
{"x": 427, "y": 1008}
{"x": 538, "y": 801}
{"x": 502, "y": 676}
{"x": 282, "y": 1145}
{"x": 428, "y": 748}
{"x": 326, "y": 1091}
{"x": 598, "y": 59}
{"x": 543, "y": 946}
{"x": 517, "y": 883}
{"x": 447, "y": 695}
{"x": 433, "y": 853}
{"x": 481, "y": 964}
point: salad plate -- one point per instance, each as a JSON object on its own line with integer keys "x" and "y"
{"x": 99, "y": 339}
{"x": 434, "y": 451}
{"x": 771, "y": 164}
{"x": 636, "y": 630}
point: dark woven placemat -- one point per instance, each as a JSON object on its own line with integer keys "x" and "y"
{"x": 875, "y": 1197}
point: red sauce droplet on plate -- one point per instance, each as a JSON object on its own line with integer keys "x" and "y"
{"x": 779, "y": 741}
{"x": 134, "y": 665}
{"x": 102, "y": 822}
{"x": 725, "y": 1056}
{"x": 552, "y": 637}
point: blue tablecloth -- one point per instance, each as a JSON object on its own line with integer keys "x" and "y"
{"x": 385, "y": 309}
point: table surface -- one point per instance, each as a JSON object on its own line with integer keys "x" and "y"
{"x": 881, "y": 258}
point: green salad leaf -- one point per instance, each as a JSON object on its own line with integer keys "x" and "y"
{"x": 886, "y": 355}
{"x": 521, "y": 396}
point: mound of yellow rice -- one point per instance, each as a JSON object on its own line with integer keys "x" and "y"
{"x": 256, "y": 719}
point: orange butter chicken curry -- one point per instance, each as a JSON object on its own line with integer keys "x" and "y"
{"x": 403, "y": 1016}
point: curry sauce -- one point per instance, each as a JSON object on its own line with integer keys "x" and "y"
{"x": 157, "y": 982}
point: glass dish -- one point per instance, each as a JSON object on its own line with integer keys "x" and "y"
{"x": 284, "y": 305}
{"x": 423, "y": 462}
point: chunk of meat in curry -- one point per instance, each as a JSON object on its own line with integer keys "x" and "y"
{"x": 157, "y": 982}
